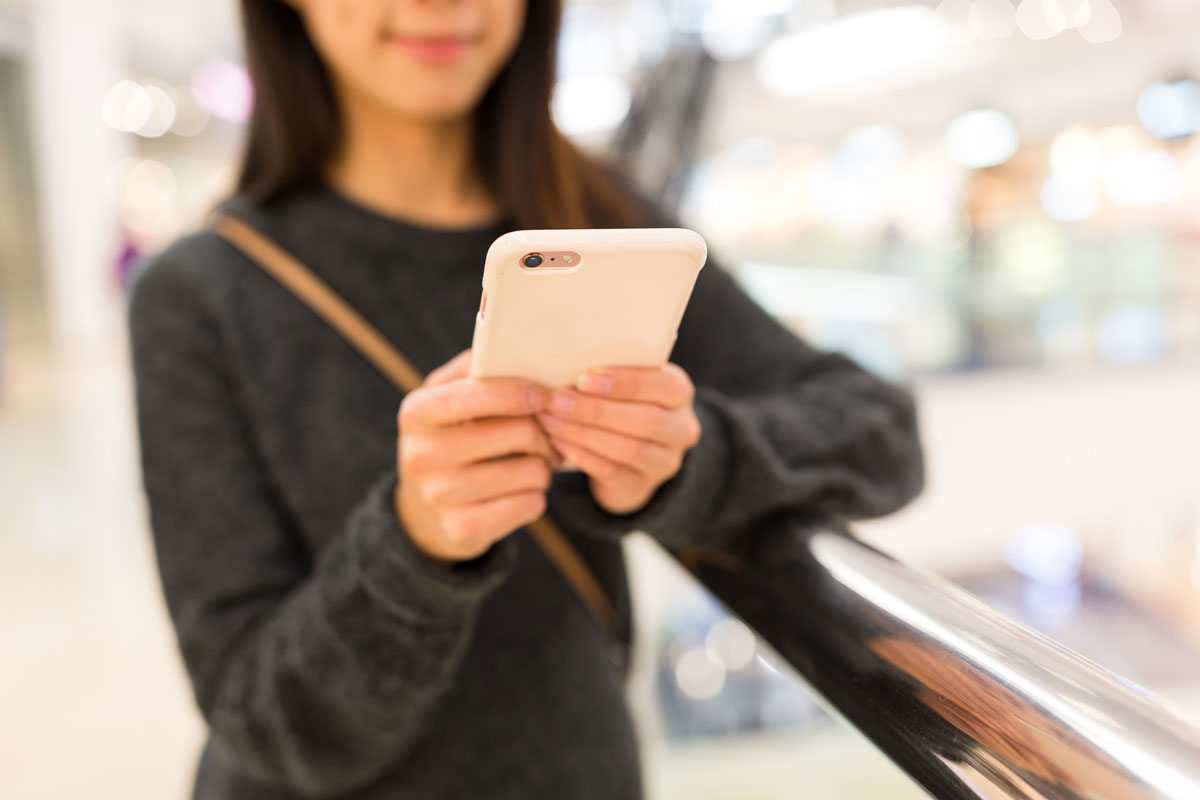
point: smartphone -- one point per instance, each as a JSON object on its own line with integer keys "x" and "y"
{"x": 559, "y": 302}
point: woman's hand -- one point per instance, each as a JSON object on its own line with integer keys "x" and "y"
{"x": 474, "y": 465}
{"x": 627, "y": 428}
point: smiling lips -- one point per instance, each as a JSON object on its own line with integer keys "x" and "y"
{"x": 437, "y": 49}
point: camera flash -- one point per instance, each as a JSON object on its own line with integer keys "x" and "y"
{"x": 567, "y": 259}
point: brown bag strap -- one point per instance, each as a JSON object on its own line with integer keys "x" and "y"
{"x": 344, "y": 319}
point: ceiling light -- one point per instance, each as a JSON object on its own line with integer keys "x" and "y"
{"x": 855, "y": 48}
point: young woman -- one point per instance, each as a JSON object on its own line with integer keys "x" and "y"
{"x": 358, "y": 612}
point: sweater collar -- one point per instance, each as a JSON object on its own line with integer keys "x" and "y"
{"x": 318, "y": 212}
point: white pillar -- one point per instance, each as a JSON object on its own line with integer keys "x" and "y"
{"x": 75, "y": 55}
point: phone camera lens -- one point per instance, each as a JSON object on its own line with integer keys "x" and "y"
{"x": 532, "y": 260}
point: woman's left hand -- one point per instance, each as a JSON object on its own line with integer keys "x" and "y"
{"x": 626, "y": 428}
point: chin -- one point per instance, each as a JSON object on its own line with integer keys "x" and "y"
{"x": 436, "y": 106}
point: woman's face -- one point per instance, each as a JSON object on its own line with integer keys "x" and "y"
{"x": 430, "y": 60}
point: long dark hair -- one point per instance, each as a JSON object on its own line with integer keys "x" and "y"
{"x": 540, "y": 179}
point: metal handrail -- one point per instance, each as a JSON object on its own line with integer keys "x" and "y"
{"x": 969, "y": 703}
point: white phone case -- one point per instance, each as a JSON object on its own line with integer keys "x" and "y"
{"x": 619, "y": 305}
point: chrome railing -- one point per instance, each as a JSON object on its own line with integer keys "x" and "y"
{"x": 969, "y": 703}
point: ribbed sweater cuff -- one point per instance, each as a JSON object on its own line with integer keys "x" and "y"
{"x": 407, "y": 583}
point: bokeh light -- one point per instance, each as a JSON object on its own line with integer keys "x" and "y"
{"x": 1068, "y": 199}
{"x": 1152, "y": 177}
{"x": 190, "y": 118}
{"x": 223, "y": 89}
{"x": 1048, "y": 554}
{"x": 1041, "y": 19}
{"x": 1098, "y": 21}
{"x": 698, "y": 675}
{"x": 1077, "y": 152}
{"x": 731, "y": 644}
{"x": 986, "y": 137}
{"x": 147, "y": 110}
{"x": 1170, "y": 109}
{"x": 736, "y": 29}
{"x": 590, "y": 104}
{"x": 992, "y": 19}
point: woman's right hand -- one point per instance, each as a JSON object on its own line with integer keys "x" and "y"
{"x": 474, "y": 464}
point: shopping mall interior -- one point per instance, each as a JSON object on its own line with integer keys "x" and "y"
{"x": 995, "y": 202}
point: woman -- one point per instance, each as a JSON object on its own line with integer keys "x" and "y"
{"x": 355, "y": 613}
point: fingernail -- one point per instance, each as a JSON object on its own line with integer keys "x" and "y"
{"x": 537, "y": 397}
{"x": 563, "y": 402}
{"x": 594, "y": 382}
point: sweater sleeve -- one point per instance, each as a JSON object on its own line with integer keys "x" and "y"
{"x": 314, "y": 674}
{"x": 783, "y": 427}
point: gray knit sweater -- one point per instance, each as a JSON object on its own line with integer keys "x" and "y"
{"x": 329, "y": 657}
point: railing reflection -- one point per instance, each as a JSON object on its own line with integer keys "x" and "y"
{"x": 966, "y": 701}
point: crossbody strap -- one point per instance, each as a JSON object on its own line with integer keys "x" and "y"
{"x": 369, "y": 342}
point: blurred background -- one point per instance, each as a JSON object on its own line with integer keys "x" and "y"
{"x": 995, "y": 200}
